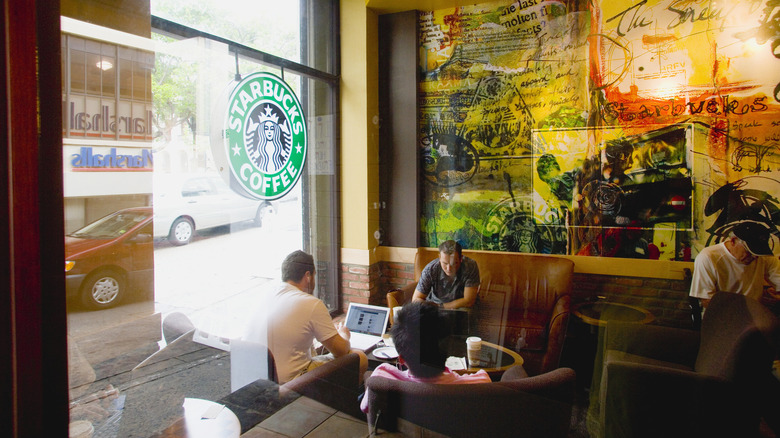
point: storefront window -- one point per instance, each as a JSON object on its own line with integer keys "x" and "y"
{"x": 143, "y": 126}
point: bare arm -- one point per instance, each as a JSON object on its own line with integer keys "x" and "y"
{"x": 469, "y": 297}
{"x": 418, "y": 296}
{"x": 338, "y": 345}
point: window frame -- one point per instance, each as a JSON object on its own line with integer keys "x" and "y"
{"x": 328, "y": 254}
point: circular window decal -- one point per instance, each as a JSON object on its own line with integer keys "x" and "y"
{"x": 265, "y": 136}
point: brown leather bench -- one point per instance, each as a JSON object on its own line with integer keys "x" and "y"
{"x": 524, "y": 302}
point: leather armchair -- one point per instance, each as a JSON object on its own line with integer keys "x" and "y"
{"x": 335, "y": 384}
{"x": 524, "y": 302}
{"x": 399, "y": 297}
{"x": 661, "y": 381}
{"x": 517, "y": 406}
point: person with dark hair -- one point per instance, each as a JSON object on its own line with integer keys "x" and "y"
{"x": 451, "y": 281}
{"x": 741, "y": 264}
{"x": 289, "y": 318}
{"x": 417, "y": 336}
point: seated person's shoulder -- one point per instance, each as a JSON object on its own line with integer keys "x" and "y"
{"x": 432, "y": 263}
{"x": 432, "y": 267}
{"x": 470, "y": 266}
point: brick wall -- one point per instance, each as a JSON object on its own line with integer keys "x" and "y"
{"x": 360, "y": 284}
{"x": 370, "y": 284}
{"x": 667, "y": 300}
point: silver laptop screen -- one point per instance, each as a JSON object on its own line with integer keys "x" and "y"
{"x": 366, "y": 320}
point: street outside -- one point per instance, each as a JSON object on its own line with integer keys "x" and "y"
{"x": 214, "y": 281}
{"x": 211, "y": 280}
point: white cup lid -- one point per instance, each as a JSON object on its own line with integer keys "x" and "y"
{"x": 81, "y": 428}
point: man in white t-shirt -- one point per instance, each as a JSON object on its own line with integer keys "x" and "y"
{"x": 289, "y": 318}
{"x": 741, "y": 264}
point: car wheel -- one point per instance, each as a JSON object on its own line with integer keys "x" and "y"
{"x": 181, "y": 231}
{"x": 103, "y": 289}
{"x": 263, "y": 211}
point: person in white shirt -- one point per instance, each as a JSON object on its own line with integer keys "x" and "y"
{"x": 742, "y": 264}
{"x": 289, "y": 318}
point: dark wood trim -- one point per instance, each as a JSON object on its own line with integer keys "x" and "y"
{"x": 35, "y": 350}
{"x": 399, "y": 162}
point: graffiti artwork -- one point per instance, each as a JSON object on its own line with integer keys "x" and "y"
{"x": 615, "y": 128}
{"x": 743, "y": 200}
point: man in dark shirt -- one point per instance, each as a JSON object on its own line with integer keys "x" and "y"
{"x": 451, "y": 281}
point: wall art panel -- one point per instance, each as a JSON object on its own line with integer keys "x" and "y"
{"x": 623, "y": 129}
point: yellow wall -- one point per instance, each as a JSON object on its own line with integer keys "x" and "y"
{"x": 360, "y": 122}
{"x": 359, "y": 126}
{"x": 359, "y": 147}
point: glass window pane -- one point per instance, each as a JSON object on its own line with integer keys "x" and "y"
{"x": 270, "y": 26}
{"x": 139, "y": 80}
{"x": 183, "y": 247}
{"x": 78, "y": 72}
{"x": 125, "y": 73}
{"x": 108, "y": 67}
{"x": 64, "y": 60}
{"x": 94, "y": 73}
{"x": 318, "y": 48}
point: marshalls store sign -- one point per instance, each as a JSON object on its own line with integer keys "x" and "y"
{"x": 265, "y": 136}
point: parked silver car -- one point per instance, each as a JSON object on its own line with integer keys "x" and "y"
{"x": 184, "y": 204}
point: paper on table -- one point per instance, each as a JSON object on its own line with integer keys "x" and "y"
{"x": 212, "y": 411}
{"x": 456, "y": 363}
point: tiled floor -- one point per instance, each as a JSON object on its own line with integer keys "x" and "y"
{"x": 310, "y": 419}
{"x": 307, "y": 418}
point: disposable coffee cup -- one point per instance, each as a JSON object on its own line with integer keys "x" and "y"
{"x": 81, "y": 429}
{"x": 396, "y": 309}
{"x": 473, "y": 348}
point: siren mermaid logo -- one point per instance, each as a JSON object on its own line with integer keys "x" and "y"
{"x": 265, "y": 136}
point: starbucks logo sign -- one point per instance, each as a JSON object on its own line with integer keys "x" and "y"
{"x": 265, "y": 136}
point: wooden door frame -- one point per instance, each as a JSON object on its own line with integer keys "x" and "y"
{"x": 34, "y": 335}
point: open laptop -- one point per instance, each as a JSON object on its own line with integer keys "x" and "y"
{"x": 367, "y": 324}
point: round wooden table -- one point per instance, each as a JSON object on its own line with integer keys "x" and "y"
{"x": 598, "y": 313}
{"x": 494, "y": 358}
{"x": 221, "y": 421}
{"x": 582, "y": 339}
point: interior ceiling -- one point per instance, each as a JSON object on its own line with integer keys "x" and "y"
{"x": 391, "y": 6}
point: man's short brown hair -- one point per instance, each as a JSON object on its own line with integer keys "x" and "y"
{"x": 451, "y": 247}
{"x": 296, "y": 265}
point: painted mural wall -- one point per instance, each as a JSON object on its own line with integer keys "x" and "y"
{"x": 641, "y": 129}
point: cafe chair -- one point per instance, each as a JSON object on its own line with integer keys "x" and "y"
{"x": 250, "y": 361}
{"x": 174, "y": 325}
{"x": 662, "y": 381}
{"x": 517, "y": 406}
{"x": 399, "y": 297}
{"x": 335, "y": 383}
{"x": 524, "y": 302}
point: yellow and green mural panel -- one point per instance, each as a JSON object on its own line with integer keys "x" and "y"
{"x": 622, "y": 129}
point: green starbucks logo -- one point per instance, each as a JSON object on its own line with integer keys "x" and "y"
{"x": 265, "y": 136}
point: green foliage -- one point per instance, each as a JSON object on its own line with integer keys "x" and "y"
{"x": 564, "y": 117}
{"x": 173, "y": 91}
{"x": 262, "y": 24}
